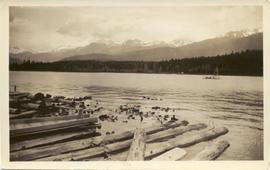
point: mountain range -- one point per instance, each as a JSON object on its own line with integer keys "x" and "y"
{"x": 136, "y": 50}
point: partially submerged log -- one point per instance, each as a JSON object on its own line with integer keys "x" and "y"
{"x": 53, "y": 152}
{"x": 212, "y": 151}
{"x": 137, "y": 148}
{"x": 174, "y": 132}
{"x": 171, "y": 155}
{"x": 158, "y": 148}
{"x": 23, "y": 114}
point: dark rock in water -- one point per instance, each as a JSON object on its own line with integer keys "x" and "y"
{"x": 133, "y": 117}
{"x": 87, "y": 97}
{"x": 124, "y": 121}
{"x": 153, "y": 113}
{"x": 108, "y": 133}
{"x": 113, "y": 132}
{"x": 39, "y": 96}
{"x": 48, "y": 96}
{"x": 173, "y": 118}
{"x": 103, "y": 117}
{"x": 155, "y": 107}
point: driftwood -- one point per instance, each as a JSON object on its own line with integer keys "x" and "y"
{"x": 23, "y": 114}
{"x": 137, "y": 148}
{"x": 53, "y": 152}
{"x": 174, "y": 132}
{"x": 158, "y": 148}
{"x": 212, "y": 151}
{"x": 49, "y": 140}
{"x": 52, "y": 126}
{"x": 172, "y": 155}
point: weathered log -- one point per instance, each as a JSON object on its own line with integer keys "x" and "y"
{"x": 158, "y": 148}
{"x": 172, "y": 155}
{"x": 30, "y": 106}
{"x": 49, "y": 140}
{"x": 44, "y": 119}
{"x": 20, "y": 94}
{"x": 57, "y": 149}
{"x": 23, "y": 114}
{"x": 212, "y": 151}
{"x": 174, "y": 132}
{"x": 51, "y": 126}
{"x": 137, "y": 148}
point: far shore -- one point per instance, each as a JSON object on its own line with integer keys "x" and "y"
{"x": 131, "y": 73}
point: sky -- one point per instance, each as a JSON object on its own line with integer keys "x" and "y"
{"x": 51, "y": 28}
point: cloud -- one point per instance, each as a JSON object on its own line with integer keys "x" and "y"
{"x": 51, "y": 27}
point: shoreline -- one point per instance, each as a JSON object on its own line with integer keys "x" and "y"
{"x": 135, "y": 73}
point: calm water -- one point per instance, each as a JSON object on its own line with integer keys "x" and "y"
{"x": 233, "y": 101}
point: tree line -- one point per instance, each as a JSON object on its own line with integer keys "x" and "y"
{"x": 249, "y": 62}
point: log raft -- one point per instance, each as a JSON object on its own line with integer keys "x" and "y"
{"x": 67, "y": 147}
{"x": 164, "y": 142}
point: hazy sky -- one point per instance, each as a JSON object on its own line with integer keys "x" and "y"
{"x": 48, "y": 28}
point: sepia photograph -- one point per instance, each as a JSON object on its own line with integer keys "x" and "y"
{"x": 136, "y": 83}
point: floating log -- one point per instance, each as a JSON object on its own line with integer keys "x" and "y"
{"x": 174, "y": 132}
{"x": 54, "y": 151}
{"x": 158, "y": 148}
{"x": 50, "y": 126}
{"x": 172, "y": 155}
{"x": 23, "y": 114}
{"x": 212, "y": 151}
{"x": 30, "y": 106}
{"x": 137, "y": 148}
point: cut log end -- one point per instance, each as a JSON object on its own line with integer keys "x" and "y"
{"x": 137, "y": 148}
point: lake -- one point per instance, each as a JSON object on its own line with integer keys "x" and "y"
{"x": 235, "y": 102}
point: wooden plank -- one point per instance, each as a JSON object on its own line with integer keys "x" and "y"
{"x": 174, "y": 132}
{"x": 51, "y": 127}
{"x": 72, "y": 146}
{"x": 212, "y": 151}
{"x": 23, "y": 114}
{"x": 48, "y": 140}
{"x": 171, "y": 155}
{"x": 158, "y": 148}
{"x": 137, "y": 148}
{"x": 44, "y": 119}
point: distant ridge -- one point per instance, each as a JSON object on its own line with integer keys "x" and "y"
{"x": 136, "y": 51}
